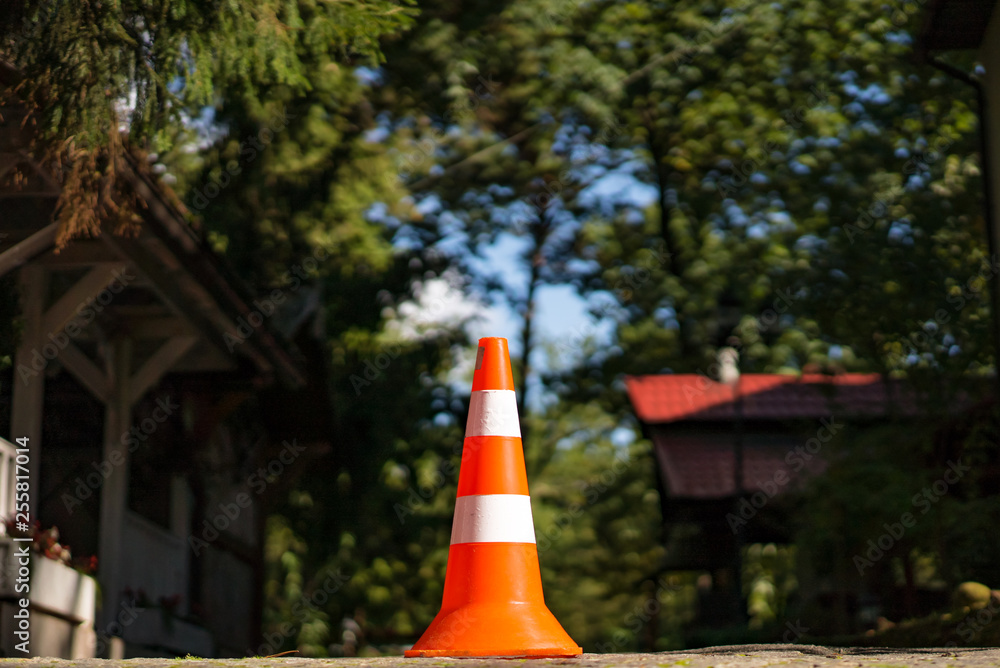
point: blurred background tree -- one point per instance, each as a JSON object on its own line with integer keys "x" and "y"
{"x": 675, "y": 168}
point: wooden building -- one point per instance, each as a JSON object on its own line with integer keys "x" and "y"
{"x": 164, "y": 402}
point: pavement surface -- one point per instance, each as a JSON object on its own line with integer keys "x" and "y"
{"x": 733, "y": 656}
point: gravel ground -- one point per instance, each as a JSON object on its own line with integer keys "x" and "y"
{"x": 735, "y": 656}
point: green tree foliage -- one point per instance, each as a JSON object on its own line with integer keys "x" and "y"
{"x": 795, "y": 185}
{"x": 903, "y": 505}
{"x": 762, "y": 134}
{"x": 596, "y": 513}
{"x": 770, "y": 133}
{"x": 100, "y": 76}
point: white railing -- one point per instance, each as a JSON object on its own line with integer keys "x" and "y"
{"x": 62, "y": 605}
{"x": 155, "y": 559}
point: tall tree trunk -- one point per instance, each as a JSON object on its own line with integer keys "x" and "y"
{"x": 658, "y": 152}
{"x": 662, "y": 172}
{"x": 674, "y": 263}
{"x": 535, "y": 260}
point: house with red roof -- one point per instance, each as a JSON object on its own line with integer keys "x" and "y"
{"x": 727, "y": 454}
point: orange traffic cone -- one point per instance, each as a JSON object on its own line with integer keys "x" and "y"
{"x": 493, "y": 603}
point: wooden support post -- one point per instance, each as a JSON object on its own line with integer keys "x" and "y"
{"x": 114, "y": 492}
{"x": 28, "y": 379}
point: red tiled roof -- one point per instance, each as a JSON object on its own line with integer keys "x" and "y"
{"x": 670, "y": 398}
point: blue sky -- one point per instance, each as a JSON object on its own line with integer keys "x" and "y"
{"x": 563, "y": 322}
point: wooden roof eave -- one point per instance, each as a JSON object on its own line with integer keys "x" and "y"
{"x": 230, "y": 295}
{"x": 168, "y": 241}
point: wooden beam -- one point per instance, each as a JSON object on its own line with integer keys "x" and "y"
{"x": 85, "y": 371}
{"x": 80, "y": 253}
{"x": 86, "y": 290}
{"x": 140, "y": 325}
{"x": 170, "y": 217}
{"x": 14, "y": 257}
{"x": 159, "y": 364}
{"x": 205, "y": 358}
{"x": 153, "y": 326}
{"x": 29, "y": 379}
{"x": 165, "y": 284}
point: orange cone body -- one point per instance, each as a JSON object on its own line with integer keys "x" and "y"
{"x": 493, "y": 603}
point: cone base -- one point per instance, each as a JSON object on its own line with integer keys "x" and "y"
{"x": 515, "y": 654}
{"x": 516, "y": 629}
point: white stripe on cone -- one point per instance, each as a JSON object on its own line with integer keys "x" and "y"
{"x": 493, "y": 518}
{"x": 493, "y": 413}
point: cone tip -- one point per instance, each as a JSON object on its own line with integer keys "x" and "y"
{"x": 493, "y": 370}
